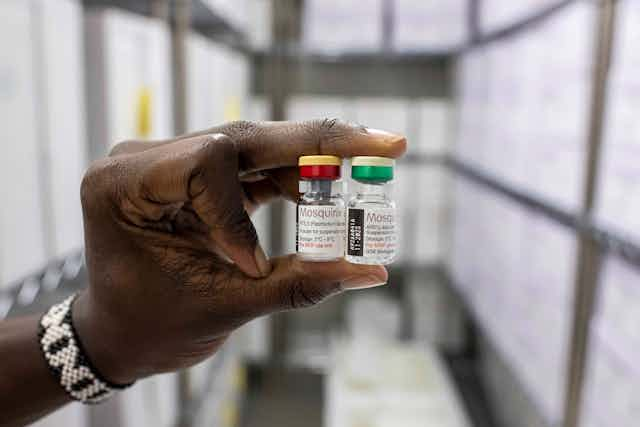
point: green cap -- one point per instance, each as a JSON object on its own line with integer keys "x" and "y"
{"x": 371, "y": 168}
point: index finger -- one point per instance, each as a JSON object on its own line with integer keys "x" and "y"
{"x": 267, "y": 145}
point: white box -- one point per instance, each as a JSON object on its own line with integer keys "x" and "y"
{"x": 515, "y": 269}
{"x": 260, "y": 18}
{"x": 72, "y": 415}
{"x": 618, "y": 193}
{"x": 63, "y": 127}
{"x": 308, "y": 107}
{"x": 433, "y": 127}
{"x": 258, "y": 110}
{"x": 234, "y": 12}
{"x": 21, "y": 218}
{"x": 129, "y": 78}
{"x": 389, "y": 114}
{"x": 432, "y": 25}
{"x": 255, "y": 339}
{"x": 504, "y": 98}
{"x": 387, "y": 384}
{"x": 235, "y": 86}
{"x": 150, "y": 402}
{"x": 207, "y": 76}
{"x": 338, "y": 26}
{"x": 497, "y": 14}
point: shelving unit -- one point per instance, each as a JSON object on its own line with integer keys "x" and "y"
{"x": 594, "y": 239}
{"x": 298, "y": 54}
{"x": 61, "y": 271}
{"x": 208, "y": 22}
{"x": 608, "y": 240}
{"x": 278, "y": 77}
{"x": 480, "y": 37}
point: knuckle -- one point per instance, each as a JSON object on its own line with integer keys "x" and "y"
{"x": 327, "y": 124}
{"x": 122, "y": 147}
{"x": 331, "y": 125}
{"x": 98, "y": 182}
{"x": 325, "y": 132}
{"x": 303, "y": 292}
{"x": 216, "y": 147}
{"x": 241, "y": 130}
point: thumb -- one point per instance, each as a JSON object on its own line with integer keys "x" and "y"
{"x": 296, "y": 284}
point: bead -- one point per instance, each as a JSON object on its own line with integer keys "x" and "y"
{"x": 61, "y": 350}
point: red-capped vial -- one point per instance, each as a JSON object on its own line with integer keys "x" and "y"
{"x": 320, "y": 220}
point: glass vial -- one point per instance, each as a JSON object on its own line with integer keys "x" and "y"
{"x": 320, "y": 219}
{"x": 371, "y": 214}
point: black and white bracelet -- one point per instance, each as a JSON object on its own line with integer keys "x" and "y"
{"x": 67, "y": 360}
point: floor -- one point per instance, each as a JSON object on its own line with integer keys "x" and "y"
{"x": 289, "y": 399}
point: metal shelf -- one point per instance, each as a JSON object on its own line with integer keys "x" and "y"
{"x": 296, "y": 52}
{"x": 196, "y": 404}
{"x": 140, "y": 7}
{"x": 610, "y": 241}
{"x": 423, "y": 159}
{"x": 299, "y": 54}
{"x": 211, "y": 24}
{"x": 477, "y": 331}
{"x": 204, "y": 20}
{"x": 556, "y": 213}
{"x": 43, "y": 288}
{"x": 617, "y": 245}
{"x": 508, "y": 31}
{"x": 68, "y": 274}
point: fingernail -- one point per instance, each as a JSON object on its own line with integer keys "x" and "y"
{"x": 363, "y": 284}
{"x": 383, "y": 134}
{"x": 263, "y": 264}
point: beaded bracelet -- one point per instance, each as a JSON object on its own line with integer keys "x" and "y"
{"x": 67, "y": 360}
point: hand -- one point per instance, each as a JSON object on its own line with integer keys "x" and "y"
{"x": 173, "y": 258}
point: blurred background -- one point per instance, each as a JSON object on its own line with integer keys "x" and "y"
{"x": 516, "y": 299}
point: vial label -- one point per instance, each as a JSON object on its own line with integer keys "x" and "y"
{"x": 320, "y": 231}
{"x": 372, "y": 234}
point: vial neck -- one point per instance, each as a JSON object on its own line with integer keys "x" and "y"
{"x": 321, "y": 186}
{"x": 372, "y": 189}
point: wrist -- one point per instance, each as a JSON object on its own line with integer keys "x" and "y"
{"x": 102, "y": 343}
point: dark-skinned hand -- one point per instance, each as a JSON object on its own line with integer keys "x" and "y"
{"x": 173, "y": 258}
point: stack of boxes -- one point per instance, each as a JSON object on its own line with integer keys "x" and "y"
{"x": 618, "y": 195}
{"x": 336, "y": 26}
{"x": 518, "y": 125}
{"x": 400, "y": 26}
{"x": 613, "y": 349}
{"x": 389, "y": 385}
{"x": 42, "y": 105}
{"x": 496, "y": 15}
{"x": 425, "y": 26}
{"x": 50, "y": 51}
{"x": 515, "y": 267}
{"x": 614, "y": 340}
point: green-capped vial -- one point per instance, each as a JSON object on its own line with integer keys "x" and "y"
{"x": 371, "y": 214}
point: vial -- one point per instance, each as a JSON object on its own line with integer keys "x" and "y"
{"x": 371, "y": 214}
{"x": 320, "y": 219}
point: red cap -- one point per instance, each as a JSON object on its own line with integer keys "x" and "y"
{"x": 319, "y": 167}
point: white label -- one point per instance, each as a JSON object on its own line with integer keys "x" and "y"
{"x": 372, "y": 233}
{"x": 321, "y": 230}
